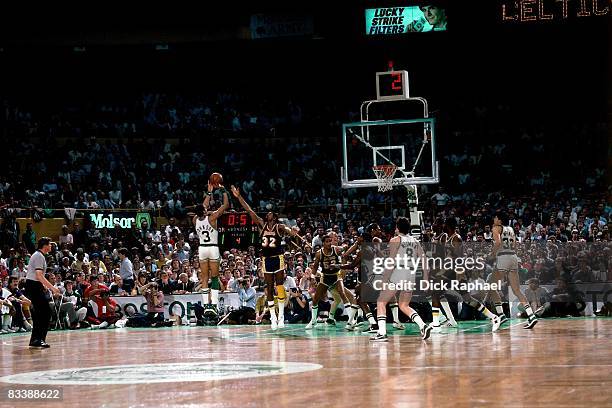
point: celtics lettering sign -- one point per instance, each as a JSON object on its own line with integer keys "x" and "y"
{"x": 121, "y": 220}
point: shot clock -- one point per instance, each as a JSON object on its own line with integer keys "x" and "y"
{"x": 237, "y": 230}
{"x": 392, "y": 85}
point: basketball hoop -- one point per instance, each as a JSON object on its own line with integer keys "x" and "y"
{"x": 384, "y": 175}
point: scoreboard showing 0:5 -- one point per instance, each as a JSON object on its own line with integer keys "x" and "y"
{"x": 237, "y": 230}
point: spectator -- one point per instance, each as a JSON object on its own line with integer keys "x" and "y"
{"x": 19, "y": 302}
{"x": 248, "y": 299}
{"x": 155, "y": 304}
{"x": 7, "y": 309}
{"x": 75, "y": 297}
{"x": 126, "y": 270}
{"x": 62, "y": 306}
{"x": 289, "y": 282}
{"x": 184, "y": 285}
{"x": 165, "y": 285}
{"x": 20, "y": 270}
{"x": 29, "y": 238}
{"x": 538, "y": 297}
{"x": 66, "y": 238}
{"x": 565, "y": 301}
{"x": 141, "y": 282}
{"x": 299, "y": 311}
{"x": 116, "y": 288}
{"x": 103, "y": 307}
{"x": 440, "y": 198}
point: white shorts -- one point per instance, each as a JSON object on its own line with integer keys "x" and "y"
{"x": 507, "y": 263}
{"x": 209, "y": 253}
{"x": 403, "y": 276}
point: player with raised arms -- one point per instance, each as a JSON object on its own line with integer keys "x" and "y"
{"x": 273, "y": 260}
{"x": 507, "y": 264}
{"x": 209, "y": 256}
{"x": 402, "y": 245}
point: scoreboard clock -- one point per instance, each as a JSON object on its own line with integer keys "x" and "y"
{"x": 392, "y": 85}
{"x": 237, "y": 230}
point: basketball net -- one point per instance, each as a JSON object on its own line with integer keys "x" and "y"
{"x": 384, "y": 175}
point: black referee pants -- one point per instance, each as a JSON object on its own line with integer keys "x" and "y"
{"x": 41, "y": 312}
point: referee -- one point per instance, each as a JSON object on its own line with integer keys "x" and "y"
{"x": 35, "y": 291}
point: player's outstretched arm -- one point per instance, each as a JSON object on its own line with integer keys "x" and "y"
{"x": 221, "y": 209}
{"x": 315, "y": 263}
{"x": 497, "y": 243}
{"x": 207, "y": 199}
{"x": 292, "y": 233}
{"x": 256, "y": 218}
{"x": 353, "y": 247}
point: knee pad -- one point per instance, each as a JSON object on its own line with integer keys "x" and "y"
{"x": 215, "y": 283}
{"x": 280, "y": 292}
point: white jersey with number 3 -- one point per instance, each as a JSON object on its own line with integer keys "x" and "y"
{"x": 508, "y": 239}
{"x": 206, "y": 233}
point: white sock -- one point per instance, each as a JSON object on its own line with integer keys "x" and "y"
{"x": 382, "y": 325}
{"x": 417, "y": 319}
{"x": 435, "y": 313}
{"x": 205, "y": 299}
{"x": 103, "y": 325}
{"x": 395, "y": 312}
{"x": 482, "y": 308}
{"x": 6, "y": 321}
{"x": 371, "y": 319}
{"x": 351, "y": 313}
{"x": 499, "y": 308}
{"x": 214, "y": 296}
{"x": 314, "y": 313}
{"x": 281, "y": 311}
{"x": 273, "y": 317}
{"x": 448, "y": 311}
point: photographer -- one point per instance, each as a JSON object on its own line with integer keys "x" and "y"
{"x": 102, "y": 313}
{"x": 155, "y": 304}
{"x": 248, "y": 298}
{"x": 299, "y": 312}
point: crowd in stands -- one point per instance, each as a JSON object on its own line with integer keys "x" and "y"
{"x": 131, "y": 164}
{"x": 157, "y": 152}
{"x": 156, "y": 261}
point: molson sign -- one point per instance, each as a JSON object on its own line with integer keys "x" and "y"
{"x": 123, "y": 220}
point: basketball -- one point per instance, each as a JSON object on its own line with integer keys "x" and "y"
{"x": 216, "y": 179}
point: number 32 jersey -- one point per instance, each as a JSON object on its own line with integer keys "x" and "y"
{"x": 206, "y": 233}
{"x": 271, "y": 241}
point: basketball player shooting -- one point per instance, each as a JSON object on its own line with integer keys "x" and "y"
{"x": 209, "y": 255}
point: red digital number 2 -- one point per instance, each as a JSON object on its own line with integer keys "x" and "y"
{"x": 396, "y": 85}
